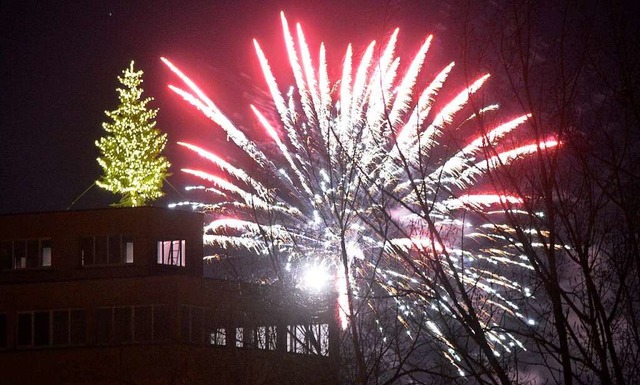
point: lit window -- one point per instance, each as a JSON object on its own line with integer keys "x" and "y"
{"x": 106, "y": 250}
{"x": 25, "y": 253}
{"x": 128, "y": 249}
{"x": 271, "y": 338}
{"x": 218, "y": 337}
{"x": 265, "y": 337}
{"x": 308, "y": 339}
{"x": 239, "y": 337}
{"x": 171, "y": 253}
{"x": 46, "y": 252}
{"x": 261, "y": 337}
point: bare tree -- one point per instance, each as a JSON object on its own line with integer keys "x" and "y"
{"x": 570, "y": 65}
{"x": 384, "y": 186}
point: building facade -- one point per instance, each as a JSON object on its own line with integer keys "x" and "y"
{"x": 116, "y": 296}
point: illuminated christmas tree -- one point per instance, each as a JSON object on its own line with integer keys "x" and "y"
{"x": 131, "y": 151}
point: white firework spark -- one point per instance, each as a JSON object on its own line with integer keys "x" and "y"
{"x": 356, "y": 187}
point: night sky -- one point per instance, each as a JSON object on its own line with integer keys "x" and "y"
{"x": 59, "y": 61}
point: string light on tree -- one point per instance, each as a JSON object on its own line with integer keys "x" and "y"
{"x": 131, "y": 152}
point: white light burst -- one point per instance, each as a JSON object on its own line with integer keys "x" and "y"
{"x": 354, "y": 176}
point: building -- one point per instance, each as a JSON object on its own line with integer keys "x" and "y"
{"x": 116, "y": 296}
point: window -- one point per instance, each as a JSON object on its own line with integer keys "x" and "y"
{"x": 308, "y": 339}
{"x": 68, "y": 327}
{"x": 218, "y": 336}
{"x": 143, "y": 323}
{"x": 261, "y": 337}
{"x": 239, "y": 337}
{"x": 51, "y": 328}
{"x": 161, "y": 323}
{"x": 127, "y": 324}
{"x": 122, "y": 325}
{"x": 104, "y": 326}
{"x": 106, "y": 250}
{"x": 41, "y": 328}
{"x": 265, "y": 337}
{"x": 192, "y": 324}
{"x": 3, "y": 330}
{"x": 6, "y": 255}
{"x": 25, "y": 253}
{"x": 171, "y": 253}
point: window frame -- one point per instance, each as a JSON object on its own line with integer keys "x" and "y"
{"x": 51, "y": 328}
{"x": 218, "y": 336}
{"x": 4, "y": 331}
{"x": 312, "y": 339}
{"x": 190, "y": 330}
{"x": 166, "y": 250}
{"x": 156, "y": 334}
{"x": 125, "y": 256}
{"x": 24, "y": 260}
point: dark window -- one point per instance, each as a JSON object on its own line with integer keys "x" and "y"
{"x": 185, "y": 323}
{"x": 127, "y": 324}
{"x": 104, "y": 326}
{"x": 86, "y": 251}
{"x": 122, "y": 325}
{"x": 115, "y": 250}
{"x": 41, "y": 328}
{"x": 34, "y": 328}
{"x": 60, "y": 327}
{"x": 192, "y": 324}
{"x": 161, "y": 323}
{"x": 77, "y": 327}
{"x": 6, "y": 254}
{"x": 143, "y": 323}
{"x": 32, "y": 253}
{"x": 3, "y": 331}
{"x": 197, "y": 325}
{"x": 51, "y": 328}
{"x": 101, "y": 247}
{"x": 106, "y": 250}
{"x": 25, "y": 329}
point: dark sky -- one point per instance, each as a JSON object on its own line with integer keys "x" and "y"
{"x": 59, "y": 61}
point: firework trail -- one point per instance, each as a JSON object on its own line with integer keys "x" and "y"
{"x": 356, "y": 188}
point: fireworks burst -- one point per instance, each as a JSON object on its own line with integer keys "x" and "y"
{"x": 358, "y": 186}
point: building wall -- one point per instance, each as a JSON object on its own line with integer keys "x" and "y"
{"x": 148, "y": 323}
{"x": 145, "y": 225}
{"x": 163, "y": 364}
